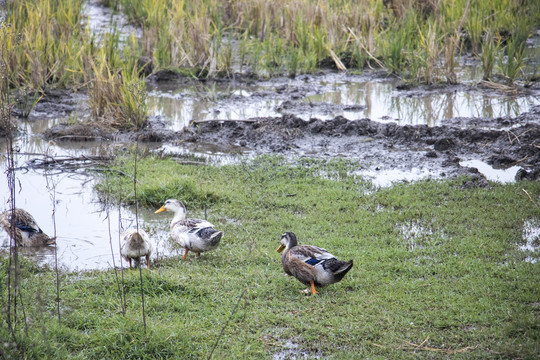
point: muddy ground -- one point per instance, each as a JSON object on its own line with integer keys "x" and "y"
{"x": 501, "y": 142}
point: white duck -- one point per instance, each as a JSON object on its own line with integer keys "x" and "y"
{"x": 136, "y": 245}
{"x": 191, "y": 234}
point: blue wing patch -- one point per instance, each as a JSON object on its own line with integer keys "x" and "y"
{"x": 27, "y": 228}
{"x": 313, "y": 261}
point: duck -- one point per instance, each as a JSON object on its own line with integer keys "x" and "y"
{"x": 135, "y": 245}
{"x": 311, "y": 265}
{"x": 26, "y": 232}
{"x": 192, "y": 234}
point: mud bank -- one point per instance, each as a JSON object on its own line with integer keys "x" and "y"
{"x": 382, "y": 145}
{"x": 376, "y": 145}
{"x": 501, "y": 142}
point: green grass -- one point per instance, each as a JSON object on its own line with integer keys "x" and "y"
{"x": 433, "y": 262}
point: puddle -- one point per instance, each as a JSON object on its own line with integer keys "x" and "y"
{"x": 102, "y": 20}
{"x": 387, "y": 177}
{"x": 82, "y": 226}
{"x": 178, "y": 107}
{"x": 292, "y": 351}
{"x": 531, "y": 240}
{"x": 415, "y": 234}
{"x": 499, "y": 175}
{"x": 328, "y": 96}
{"x": 384, "y": 104}
{"x": 205, "y": 153}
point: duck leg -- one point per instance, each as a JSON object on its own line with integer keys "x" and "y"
{"x": 313, "y": 291}
{"x": 129, "y": 259}
{"x": 148, "y": 261}
{"x": 185, "y": 254}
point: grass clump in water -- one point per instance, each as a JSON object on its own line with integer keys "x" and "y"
{"x": 464, "y": 289}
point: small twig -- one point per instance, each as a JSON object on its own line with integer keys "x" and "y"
{"x": 529, "y": 196}
{"x": 508, "y": 132}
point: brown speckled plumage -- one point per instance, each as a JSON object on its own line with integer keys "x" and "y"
{"x": 26, "y": 231}
{"x": 311, "y": 265}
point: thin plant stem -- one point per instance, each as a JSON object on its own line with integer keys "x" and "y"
{"x": 113, "y": 259}
{"x": 124, "y": 306}
{"x": 137, "y": 225}
{"x": 52, "y": 187}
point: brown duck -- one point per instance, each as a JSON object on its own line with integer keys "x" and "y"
{"x": 311, "y": 265}
{"x": 26, "y": 231}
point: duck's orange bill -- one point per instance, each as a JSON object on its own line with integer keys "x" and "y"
{"x": 161, "y": 209}
{"x": 280, "y": 248}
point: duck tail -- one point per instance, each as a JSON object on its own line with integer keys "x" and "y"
{"x": 338, "y": 268}
{"x": 346, "y": 266}
{"x": 50, "y": 241}
{"x": 216, "y": 237}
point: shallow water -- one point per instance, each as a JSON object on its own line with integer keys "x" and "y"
{"x": 83, "y": 228}
{"x": 353, "y": 97}
{"x": 507, "y": 175}
{"x": 101, "y": 19}
{"x": 531, "y": 240}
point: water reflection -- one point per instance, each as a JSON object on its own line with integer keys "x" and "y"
{"x": 353, "y": 97}
{"x": 385, "y": 104}
{"x": 65, "y": 205}
{"x": 499, "y": 175}
{"x": 179, "y": 107}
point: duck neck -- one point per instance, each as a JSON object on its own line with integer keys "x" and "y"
{"x": 180, "y": 214}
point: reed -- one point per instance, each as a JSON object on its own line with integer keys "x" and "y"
{"x": 117, "y": 96}
{"x": 431, "y": 50}
{"x": 48, "y": 32}
{"x": 490, "y": 48}
{"x": 208, "y": 38}
{"x": 511, "y": 60}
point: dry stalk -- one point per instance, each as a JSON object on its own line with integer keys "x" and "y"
{"x": 120, "y": 289}
{"x": 336, "y": 59}
{"x": 52, "y": 189}
{"x": 361, "y": 44}
{"x": 529, "y": 196}
{"x": 137, "y": 225}
{"x": 499, "y": 87}
{"x": 421, "y": 346}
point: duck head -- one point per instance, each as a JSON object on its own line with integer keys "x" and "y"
{"x": 174, "y": 206}
{"x": 288, "y": 240}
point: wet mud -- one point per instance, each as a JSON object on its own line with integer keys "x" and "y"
{"x": 501, "y": 142}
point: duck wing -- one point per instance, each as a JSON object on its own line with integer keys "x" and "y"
{"x": 311, "y": 255}
{"x": 23, "y": 221}
{"x": 190, "y": 225}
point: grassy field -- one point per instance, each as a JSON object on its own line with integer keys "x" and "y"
{"x": 438, "y": 272}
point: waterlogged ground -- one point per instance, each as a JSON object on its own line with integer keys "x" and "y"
{"x": 394, "y": 132}
{"x": 393, "y": 135}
